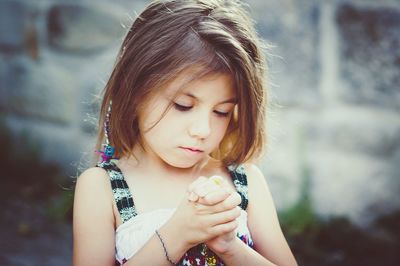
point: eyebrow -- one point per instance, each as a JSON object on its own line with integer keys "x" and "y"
{"x": 232, "y": 100}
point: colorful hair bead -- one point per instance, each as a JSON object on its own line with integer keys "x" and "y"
{"x": 108, "y": 151}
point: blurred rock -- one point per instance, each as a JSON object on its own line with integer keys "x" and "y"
{"x": 38, "y": 90}
{"x": 359, "y": 131}
{"x": 292, "y": 28}
{"x": 348, "y": 185}
{"x": 82, "y": 28}
{"x": 13, "y": 22}
{"x": 370, "y": 55}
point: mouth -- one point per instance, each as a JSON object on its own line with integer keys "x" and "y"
{"x": 192, "y": 149}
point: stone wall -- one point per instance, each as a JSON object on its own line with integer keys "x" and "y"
{"x": 334, "y": 76}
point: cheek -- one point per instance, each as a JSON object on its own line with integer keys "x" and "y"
{"x": 220, "y": 127}
{"x": 161, "y": 128}
{"x": 150, "y": 117}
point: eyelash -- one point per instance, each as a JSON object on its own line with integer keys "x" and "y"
{"x": 183, "y": 108}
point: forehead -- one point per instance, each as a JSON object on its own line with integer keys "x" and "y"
{"x": 215, "y": 85}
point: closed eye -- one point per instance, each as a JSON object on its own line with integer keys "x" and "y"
{"x": 223, "y": 114}
{"x": 182, "y": 107}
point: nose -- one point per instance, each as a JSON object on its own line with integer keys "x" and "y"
{"x": 200, "y": 126}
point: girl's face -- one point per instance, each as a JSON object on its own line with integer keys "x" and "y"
{"x": 195, "y": 124}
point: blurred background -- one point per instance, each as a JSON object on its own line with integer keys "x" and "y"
{"x": 333, "y": 154}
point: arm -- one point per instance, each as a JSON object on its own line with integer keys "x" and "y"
{"x": 270, "y": 244}
{"x": 152, "y": 253}
{"x": 94, "y": 227}
{"x": 93, "y": 220}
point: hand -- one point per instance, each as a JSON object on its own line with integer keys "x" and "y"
{"x": 203, "y": 191}
{"x": 222, "y": 244}
{"x": 204, "y": 186}
{"x": 211, "y": 216}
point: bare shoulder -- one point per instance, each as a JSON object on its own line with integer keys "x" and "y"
{"x": 93, "y": 192}
{"x": 261, "y": 204}
{"x": 257, "y": 184}
{"x": 260, "y": 198}
{"x": 93, "y": 219}
{"x": 94, "y": 172}
{"x": 254, "y": 174}
{"x": 263, "y": 221}
{"x": 93, "y": 177}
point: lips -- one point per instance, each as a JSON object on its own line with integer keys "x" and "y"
{"x": 192, "y": 149}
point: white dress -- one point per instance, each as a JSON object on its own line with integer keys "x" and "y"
{"x": 133, "y": 234}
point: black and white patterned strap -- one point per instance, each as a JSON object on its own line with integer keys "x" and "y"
{"x": 239, "y": 179}
{"x": 122, "y": 195}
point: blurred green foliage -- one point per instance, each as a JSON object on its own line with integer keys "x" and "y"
{"x": 60, "y": 207}
{"x": 300, "y": 217}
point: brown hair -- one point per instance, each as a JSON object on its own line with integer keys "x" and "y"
{"x": 172, "y": 36}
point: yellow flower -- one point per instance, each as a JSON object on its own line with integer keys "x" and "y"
{"x": 216, "y": 179}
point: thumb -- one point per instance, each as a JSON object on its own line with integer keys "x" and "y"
{"x": 198, "y": 181}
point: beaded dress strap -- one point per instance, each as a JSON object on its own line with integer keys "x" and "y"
{"x": 122, "y": 195}
{"x": 239, "y": 179}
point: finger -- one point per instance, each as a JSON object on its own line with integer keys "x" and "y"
{"x": 225, "y": 228}
{"x": 216, "y": 196}
{"x": 193, "y": 197}
{"x": 199, "y": 180}
{"x": 224, "y": 217}
{"x": 204, "y": 188}
{"x": 232, "y": 201}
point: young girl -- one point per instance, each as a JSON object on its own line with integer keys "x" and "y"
{"x": 182, "y": 119}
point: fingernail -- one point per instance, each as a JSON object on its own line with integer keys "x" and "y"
{"x": 193, "y": 197}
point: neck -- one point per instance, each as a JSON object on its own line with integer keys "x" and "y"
{"x": 153, "y": 166}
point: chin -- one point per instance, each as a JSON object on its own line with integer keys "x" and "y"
{"x": 184, "y": 164}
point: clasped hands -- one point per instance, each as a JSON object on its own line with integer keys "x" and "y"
{"x": 213, "y": 196}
